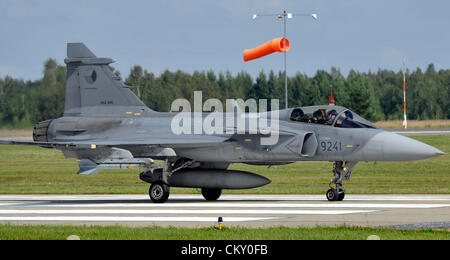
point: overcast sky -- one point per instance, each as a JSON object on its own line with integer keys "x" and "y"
{"x": 203, "y": 34}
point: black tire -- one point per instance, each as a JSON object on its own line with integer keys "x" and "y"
{"x": 332, "y": 195}
{"x": 341, "y": 196}
{"x": 211, "y": 194}
{"x": 159, "y": 192}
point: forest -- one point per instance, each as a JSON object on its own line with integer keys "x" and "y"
{"x": 374, "y": 95}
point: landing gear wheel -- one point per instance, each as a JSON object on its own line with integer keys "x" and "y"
{"x": 159, "y": 192}
{"x": 211, "y": 194}
{"x": 342, "y": 172}
{"x": 341, "y": 196}
{"x": 332, "y": 195}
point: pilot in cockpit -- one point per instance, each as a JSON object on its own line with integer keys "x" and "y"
{"x": 320, "y": 116}
{"x": 297, "y": 114}
{"x": 332, "y": 115}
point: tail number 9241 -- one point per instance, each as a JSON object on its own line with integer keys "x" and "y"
{"x": 330, "y": 146}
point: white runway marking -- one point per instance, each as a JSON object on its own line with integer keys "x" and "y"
{"x": 225, "y": 211}
{"x": 228, "y": 205}
{"x": 187, "y": 197}
{"x": 129, "y": 219}
{"x": 252, "y": 209}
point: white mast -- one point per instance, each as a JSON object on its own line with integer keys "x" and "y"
{"x": 405, "y": 125}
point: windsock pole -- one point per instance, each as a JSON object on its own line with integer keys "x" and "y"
{"x": 285, "y": 15}
{"x": 405, "y": 125}
{"x": 286, "y": 104}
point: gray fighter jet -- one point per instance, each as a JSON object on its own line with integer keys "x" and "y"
{"x": 106, "y": 126}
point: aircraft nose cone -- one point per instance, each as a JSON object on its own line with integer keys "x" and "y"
{"x": 400, "y": 148}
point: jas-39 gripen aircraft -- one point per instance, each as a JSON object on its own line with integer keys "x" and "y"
{"x": 106, "y": 126}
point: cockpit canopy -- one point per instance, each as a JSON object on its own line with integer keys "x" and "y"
{"x": 330, "y": 115}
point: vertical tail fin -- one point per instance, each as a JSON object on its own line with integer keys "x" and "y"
{"x": 79, "y": 50}
{"x": 92, "y": 88}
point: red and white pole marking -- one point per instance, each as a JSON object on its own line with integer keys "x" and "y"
{"x": 405, "y": 125}
{"x": 331, "y": 98}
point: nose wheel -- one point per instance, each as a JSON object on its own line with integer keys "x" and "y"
{"x": 341, "y": 173}
{"x": 336, "y": 194}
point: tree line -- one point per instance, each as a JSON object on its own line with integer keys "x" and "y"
{"x": 374, "y": 95}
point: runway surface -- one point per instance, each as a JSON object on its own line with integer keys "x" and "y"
{"x": 236, "y": 210}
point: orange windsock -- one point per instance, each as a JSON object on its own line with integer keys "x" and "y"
{"x": 267, "y": 48}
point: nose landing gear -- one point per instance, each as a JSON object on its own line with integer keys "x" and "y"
{"x": 341, "y": 173}
{"x": 337, "y": 194}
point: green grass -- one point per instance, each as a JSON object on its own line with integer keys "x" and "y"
{"x": 34, "y": 170}
{"x": 442, "y": 123}
{"x": 9, "y": 232}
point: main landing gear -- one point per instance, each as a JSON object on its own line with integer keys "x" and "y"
{"x": 158, "y": 178}
{"x": 159, "y": 189}
{"x": 211, "y": 194}
{"x": 341, "y": 173}
{"x": 159, "y": 192}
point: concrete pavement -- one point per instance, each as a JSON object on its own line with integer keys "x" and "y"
{"x": 236, "y": 210}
